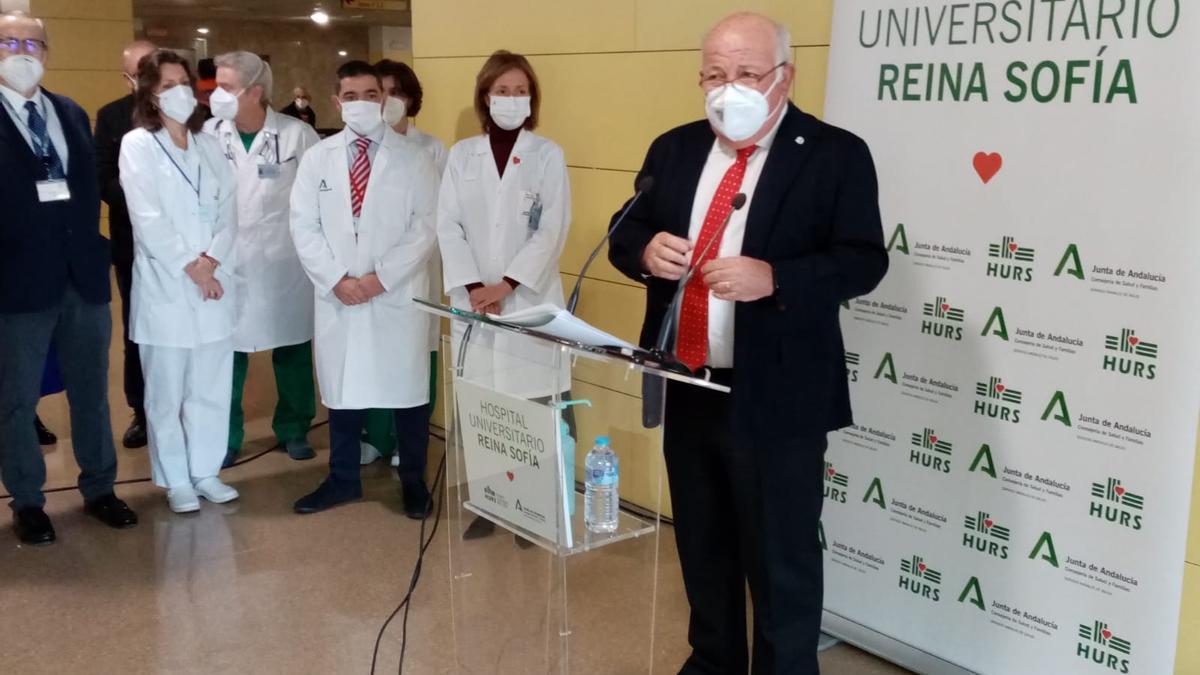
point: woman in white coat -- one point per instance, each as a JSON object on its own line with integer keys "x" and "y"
{"x": 503, "y": 214}
{"x": 182, "y": 204}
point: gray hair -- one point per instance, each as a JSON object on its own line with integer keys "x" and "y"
{"x": 252, "y": 71}
{"x": 783, "y": 37}
{"x": 17, "y": 15}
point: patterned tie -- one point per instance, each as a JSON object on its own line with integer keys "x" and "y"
{"x": 42, "y": 146}
{"x": 360, "y": 174}
{"x": 692, "y": 347}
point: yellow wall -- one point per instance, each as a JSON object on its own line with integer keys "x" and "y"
{"x": 615, "y": 74}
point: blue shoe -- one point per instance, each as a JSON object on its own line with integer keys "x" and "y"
{"x": 331, "y": 493}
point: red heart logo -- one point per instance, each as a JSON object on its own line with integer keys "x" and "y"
{"x": 945, "y": 307}
{"x": 933, "y": 439}
{"x": 921, "y": 567}
{"x": 988, "y": 523}
{"x": 831, "y": 472}
{"x": 516, "y": 160}
{"x": 987, "y": 165}
{"x": 1134, "y": 340}
{"x": 1106, "y": 633}
{"x": 1120, "y": 491}
{"x": 1000, "y": 389}
{"x": 1012, "y": 247}
{"x": 510, "y": 475}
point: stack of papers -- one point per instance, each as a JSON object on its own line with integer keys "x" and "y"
{"x": 559, "y": 323}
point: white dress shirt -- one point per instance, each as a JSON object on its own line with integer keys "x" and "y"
{"x": 14, "y": 103}
{"x": 720, "y": 159}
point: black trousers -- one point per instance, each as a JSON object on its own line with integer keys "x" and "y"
{"x": 745, "y": 513}
{"x": 135, "y": 385}
{"x": 345, "y": 433}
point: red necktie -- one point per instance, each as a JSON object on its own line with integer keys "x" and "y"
{"x": 692, "y": 344}
{"x": 360, "y": 174}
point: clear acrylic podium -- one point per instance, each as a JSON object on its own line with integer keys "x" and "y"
{"x": 540, "y": 593}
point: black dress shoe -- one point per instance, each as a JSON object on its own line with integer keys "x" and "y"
{"x": 45, "y": 436}
{"x": 417, "y": 502}
{"x": 135, "y": 435}
{"x": 331, "y": 493}
{"x": 33, "y": 527}
{"x": 111, "y": 511}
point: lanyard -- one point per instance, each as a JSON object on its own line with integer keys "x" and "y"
{"x": 42, "y": 152}
{"x": 199, "y": 168}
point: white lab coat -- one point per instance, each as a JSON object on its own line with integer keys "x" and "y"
{"x": 485, "y": 234}
{"x": 171, "y": 228}
{"x": 275, "y": 307}
{"x": 437, "y": 152}
{"x": 373, "y": 355}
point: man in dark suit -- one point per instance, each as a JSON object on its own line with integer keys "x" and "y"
{"x": 301, "y": 107}
{"x": 112, "y": 123}
{"x": 53, "y": 285}
{"x": 745, "y": 468}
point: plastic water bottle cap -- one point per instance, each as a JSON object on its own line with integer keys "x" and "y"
{"x": 602, "y": 440}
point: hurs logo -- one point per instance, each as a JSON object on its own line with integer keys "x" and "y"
{"x": 1133, "y": 355}
{"x": 920, "y": 579}
{"x": 998, "y": 401}
{"x": 899, "y": 240}
{"x": 1098, "y": 644}
{"x": 943, "y": 320}
{"x": 1010, "y": 261}
{"x": 836, "y": 484}
{"x": 1111, "y": 501}
{"x": 931, "y": 451}
{"x": 985, "y": 535}
{"x": 852, "y": 360}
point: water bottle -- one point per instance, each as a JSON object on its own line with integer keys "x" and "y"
{"x": 601, "y": 480}
{"x": 568, "y": 450}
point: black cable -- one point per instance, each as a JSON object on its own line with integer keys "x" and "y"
{"x": 147, "y": 479}
{"x": 405, "y": 602}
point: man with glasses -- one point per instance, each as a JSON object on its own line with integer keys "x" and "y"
{"x": 112, "y": 123}
{"x": 53, "y": 285}
{"x": 746, "y": 468}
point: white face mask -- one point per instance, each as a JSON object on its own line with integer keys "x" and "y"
{"x": 224, "y": 104}
{"x": 178, "y": 103}
{"x": 301, "y": 104}
{"x": 363, "y": 117}
{"x": 737, "y": 112}
{"x": 22, "y": 72}
{"x": 394, "y": 110}
{"x": 510, "y": 112}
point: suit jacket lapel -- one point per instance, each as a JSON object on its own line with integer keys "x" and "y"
{"x": 695, "y": 156}
{"x": 12, "y": 139}
{"x": 783, "y": 164}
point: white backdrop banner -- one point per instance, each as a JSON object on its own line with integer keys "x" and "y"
{"x": 1014, "y": 496}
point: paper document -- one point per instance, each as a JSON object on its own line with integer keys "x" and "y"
{"x": 560, "y": 323}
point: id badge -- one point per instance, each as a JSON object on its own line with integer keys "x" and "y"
{"x": 53, "y": 191}
{"x": 269, "y": 171}
{"x": 531, "y": 208}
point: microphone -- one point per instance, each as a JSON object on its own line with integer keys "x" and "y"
{"x": 653, "y": 386}
{"x": 644, "y": 185}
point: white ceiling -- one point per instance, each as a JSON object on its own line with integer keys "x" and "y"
{"x": 267, "y": 10}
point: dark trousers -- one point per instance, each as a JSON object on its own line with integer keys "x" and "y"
{"x": 345, "y": 432}
{"x": 135, "y": 385}
{"x": 744, "y": 513}
{"x": 81, "y": 334}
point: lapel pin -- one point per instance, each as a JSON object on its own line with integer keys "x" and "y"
{"x": 799, "y": 140}
{"x": 516, "y": 160}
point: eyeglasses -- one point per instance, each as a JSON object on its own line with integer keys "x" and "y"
{"x": 27, "y": 45}
{"x": 746, "y": 78}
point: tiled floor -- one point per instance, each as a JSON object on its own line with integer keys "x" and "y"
{"x": 249, "y": 587}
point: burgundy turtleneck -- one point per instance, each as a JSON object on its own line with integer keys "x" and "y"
{"x": 502, "y": 145}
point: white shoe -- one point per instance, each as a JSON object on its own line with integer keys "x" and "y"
{"x": 215, "y": 491}
{"x": 368, "y": 453}
{"x": 395, "y": 460}
{"x": 183, "y": 500}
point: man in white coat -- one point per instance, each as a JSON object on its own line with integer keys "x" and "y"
{"x": 275, "y": 308}
{"x": 363, "y": 210}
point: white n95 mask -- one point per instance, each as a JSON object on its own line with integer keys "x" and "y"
{"x": 363, "y": 117}
{"x": 224, "y": 104}
{"x": 510, "y": 112}
{"x": 178, "y": 103}
{"x": 736, "y": 111}
{"x": 22, "y": 72}
{"x": 394, "y": 110}
{"x": 301, "y": 104}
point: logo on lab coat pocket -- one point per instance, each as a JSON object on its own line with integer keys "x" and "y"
{"x": 324, "y": 187}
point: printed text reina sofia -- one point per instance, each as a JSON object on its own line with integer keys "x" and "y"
{"x": 1093, "y": 24}
{"x": 504, "y": 432}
